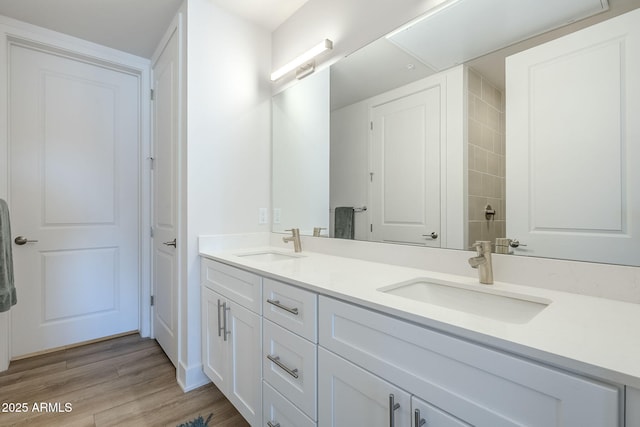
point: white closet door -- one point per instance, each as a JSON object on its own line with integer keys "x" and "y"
{"x": 166, "y": 113}
{"x": 405, "y": 154}
{"x": 73, "y": 142}
{"x": 572, "y": 145}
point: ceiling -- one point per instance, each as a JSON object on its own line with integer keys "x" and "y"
{"x": 133, "y": 26}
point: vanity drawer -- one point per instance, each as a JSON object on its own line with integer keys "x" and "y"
{"x": 280, "y": 412}
{"x": 292, "y": 308}
{"x": 290, "y": 366}
{"x": 238, "y": 285}
{"x": 479, "y": 385}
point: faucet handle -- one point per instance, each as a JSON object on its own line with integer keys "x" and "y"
{"x": 317, "y": 231}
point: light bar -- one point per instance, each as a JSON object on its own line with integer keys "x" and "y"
{"x": 303, "y": 59}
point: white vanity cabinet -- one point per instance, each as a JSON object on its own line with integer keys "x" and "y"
{"x": 232, "y": 335}
{"x": 459, "y": 381}
{"x": 289, "y": 355}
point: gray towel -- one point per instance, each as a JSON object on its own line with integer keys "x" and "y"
{"x": 7, "y": 287}
{"x": 343, "y": 226}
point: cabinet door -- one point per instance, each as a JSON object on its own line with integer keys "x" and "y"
{"x": 424, "y": 414}
{"x": 244, "y": 388}
{"x": 632, "y": 418}
{"x": 214, "y": 353}
{"x": 350, "y": 396}
{"x": 572, "y": 151}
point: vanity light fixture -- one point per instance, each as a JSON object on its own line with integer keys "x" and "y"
{"x": 304, "y": 61}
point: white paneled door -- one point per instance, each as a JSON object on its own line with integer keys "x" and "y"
{"x": 74, "y": 136}
{"x": 573, "y": 145}
{"x": 165, "y": 193}
{"x": 406, "y": 135}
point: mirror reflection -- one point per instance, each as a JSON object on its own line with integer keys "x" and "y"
{"x": 419, "y": 146}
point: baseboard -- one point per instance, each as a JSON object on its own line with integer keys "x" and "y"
{"x": 190, "y": 378}
{"x": 5, "y": 347}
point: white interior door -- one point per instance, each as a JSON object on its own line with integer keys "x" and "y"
{"x": 405, "y": 181}
{"x": 74, "y": 140}
{"x": 165, "y": 193}
{"x": 572, "y": 145}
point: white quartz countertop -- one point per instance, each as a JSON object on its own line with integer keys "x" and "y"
{"x": 594, "y": 336}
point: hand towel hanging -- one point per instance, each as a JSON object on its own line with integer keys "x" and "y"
{"x": 7, "y": 287}
{"x": 344, "y": 223}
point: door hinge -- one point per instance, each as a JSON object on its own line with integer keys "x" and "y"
{"x": 153, "y": 300}
{"x": 152, "y": 94}
{"x": 150, "y": 231}
{"x": 370, "y": 176}
{"x": 371, "y": 125}
{"x": 371, "y": 227}
{"x": 151, "y": 162}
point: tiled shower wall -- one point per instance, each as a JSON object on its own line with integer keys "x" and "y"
{"x": 486, "y": 158}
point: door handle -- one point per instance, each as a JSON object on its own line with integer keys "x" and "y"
{"x": 171, "y": 243}
{"x": 21, "y": 240}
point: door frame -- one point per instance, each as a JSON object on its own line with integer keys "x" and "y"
{"x": 20, "y": 33}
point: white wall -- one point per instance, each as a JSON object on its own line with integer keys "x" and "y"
{"x": 228, "y": 150}
{"x": 300, "y": 183}
{"x": 349, "y": 165}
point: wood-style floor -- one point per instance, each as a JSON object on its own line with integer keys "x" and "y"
{"x": 126, "y": 381}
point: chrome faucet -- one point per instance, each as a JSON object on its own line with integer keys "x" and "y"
{"x": 295, "y": 238}
{"x": 483, "y": 261}
{"x": 317, "y": 231}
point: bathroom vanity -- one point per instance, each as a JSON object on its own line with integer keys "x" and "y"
{"x": 316, "y": 339}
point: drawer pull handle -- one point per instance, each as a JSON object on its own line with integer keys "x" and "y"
{"x": 418, "y": 421}
{"x": 293, "y": 310}
{"x": 393, "y": 407}
{"x": 276, "y": 360}
{"x": 270, "y": 424}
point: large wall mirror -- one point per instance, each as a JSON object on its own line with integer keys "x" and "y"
{"x": 442, "y": 79}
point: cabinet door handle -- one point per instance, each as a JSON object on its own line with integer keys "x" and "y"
{"x": 393, "y": 407}
{"x": 276, "y": 360}
{"x": 291, "y": 310}
{"x": 270, "y": 424}
{"x": 220, "y": 327}
{"x": 417, "y": 420}
{"x": 224, "y": 320}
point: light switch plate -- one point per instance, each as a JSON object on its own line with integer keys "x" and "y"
{"x": 262, "y": 216}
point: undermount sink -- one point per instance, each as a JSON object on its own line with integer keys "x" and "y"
{"x": 491, "y": 303}
{"x": 269, "y": 256}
